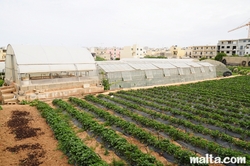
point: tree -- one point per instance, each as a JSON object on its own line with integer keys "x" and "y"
{"x": 220, "y": 56}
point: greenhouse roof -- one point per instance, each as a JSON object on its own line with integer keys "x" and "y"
{"x": 148, "y": 64}
{"x": 205, "y": 64}
{"x": 164, "y": 65}
{"x": 142, "y": 66}
{"x": 31, "y": 59}
{"x": 116, "y": 67}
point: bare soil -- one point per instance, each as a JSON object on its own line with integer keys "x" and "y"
{"x": 26, "y": 139}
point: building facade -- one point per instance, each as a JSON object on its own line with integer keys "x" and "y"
{"x": 203, "y": 51}
{"x": 114, "y": 53}
{"x": 134, "y": 51}
{"x": 228, "y": 47}
{"x": 2, "y": 53}
{"x": 239, "y": 47}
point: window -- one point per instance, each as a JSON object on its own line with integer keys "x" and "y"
{"x": 206, "y": 47}
{"x": 244, "y": 40}
{"x": 228, "y": 46}
{"x": 141, "y": 49}
{"x": 228, "y": 52}
{"x": 241, "y": 47}
{"x": 229, "y": 42}
{"x": 201, "y": 47}
{"x": 137, "y": 48}
{"x": 211, "y": 52}
{"x": 132, "y": 49}
{"x": 222, "y": 42}
{"x": 222, "y": 46}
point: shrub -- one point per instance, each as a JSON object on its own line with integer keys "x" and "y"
{"x": 220, "y": 56}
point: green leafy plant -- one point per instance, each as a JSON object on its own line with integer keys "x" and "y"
{"x": 220, "y": 56}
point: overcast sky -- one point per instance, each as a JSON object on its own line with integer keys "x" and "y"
{"x": 152, "y": 23}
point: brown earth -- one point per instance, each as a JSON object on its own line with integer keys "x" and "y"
{"x": 26, "y": 139}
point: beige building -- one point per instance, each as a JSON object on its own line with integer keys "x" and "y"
{"x": 101, "y": 52}
{"x": 176, "y": 52}
{"x": 204, "y": 51}
{"x": 2, "y": 53}
{"x": 156, "y": 52}
{"x": 134, "y": 51}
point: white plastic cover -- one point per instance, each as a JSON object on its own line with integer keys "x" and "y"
{"x": 32, "y": 59}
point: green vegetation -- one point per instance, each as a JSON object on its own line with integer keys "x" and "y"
{"x": 239, "y": 70}
{"x": 98, "y": 58}
{"x": 220, "y": 56}
{"x": 69, "y": 143}
{"x": 156, "y": 57}
{"x": 210, "y": 117}
{"x": 203, "y": 58}
{"x": 129, "y": 151}
{"x": 106, "y": 84}
{"x": 1, "y": 82}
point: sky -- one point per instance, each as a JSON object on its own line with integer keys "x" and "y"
{"x": 108, "y": 23}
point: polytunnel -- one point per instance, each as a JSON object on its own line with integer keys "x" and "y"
{"x": 146, "y": 72}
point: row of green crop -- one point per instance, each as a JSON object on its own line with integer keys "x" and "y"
{"x": 187, "y": 113}
{"x": 208, "y": 97}
{"x": 195, "y": 108}
{"x": 69, "y": 143}
{"x": 174, "y": 133}
{"x": 121, "y": 146}
{"x": 196, "y": 128}
{"x": 231, "y": 89}
{"x": 206, "y": 102}
{"x": 182, "y": 156}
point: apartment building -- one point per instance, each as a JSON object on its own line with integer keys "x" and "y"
{"x": 2, "y": 53}
{"x": 239, "y": 47}
{"x": 243, "y": 47}
{"x": 176, "y": 52}
{"x": 154, "y": 52}
{"x": 204, "y": 51}
{"x": 228, "y": 47}
{"x": 114, "y": 52}
{"x": 101, "y": 52}
{"x": 134, "y": 51}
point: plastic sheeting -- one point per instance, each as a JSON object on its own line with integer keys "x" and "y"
{"x": 34, "y": 59}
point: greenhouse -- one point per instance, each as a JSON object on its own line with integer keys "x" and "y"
{"x": 50, "y": 68}
{"x": 129, "y": 73}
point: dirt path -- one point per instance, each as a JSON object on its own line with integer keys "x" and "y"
{"x": 26, "y": 139}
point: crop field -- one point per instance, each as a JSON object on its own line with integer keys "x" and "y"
{"x": 156, "y": 126}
